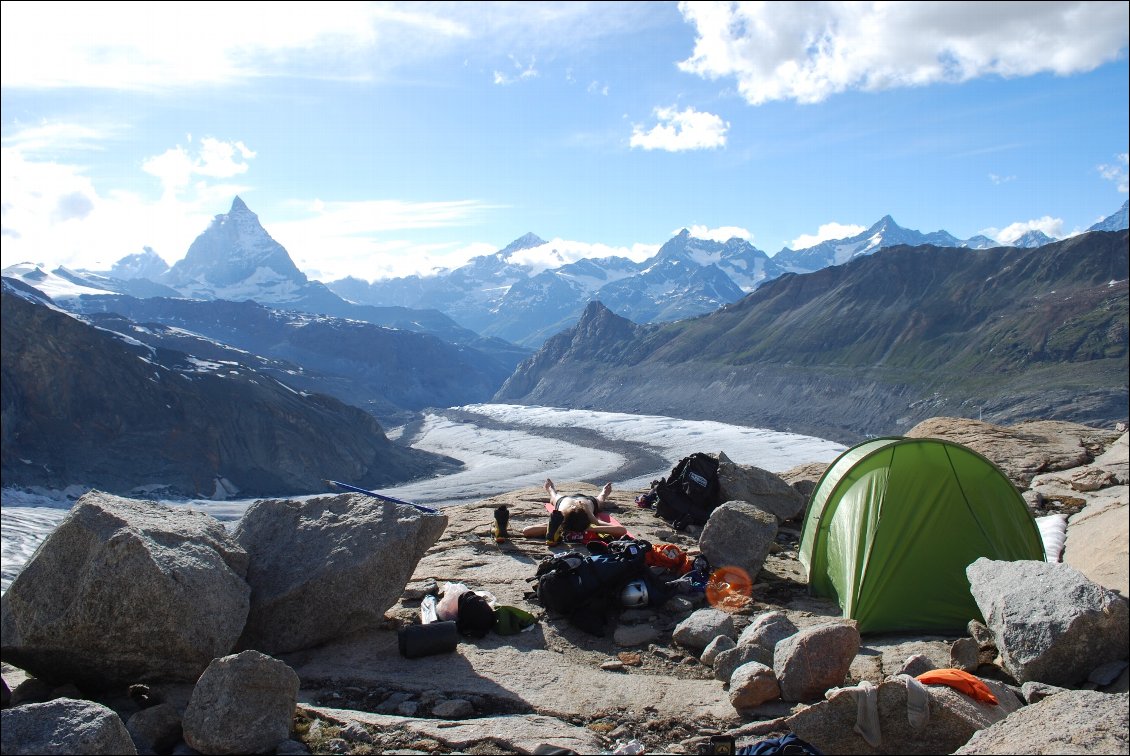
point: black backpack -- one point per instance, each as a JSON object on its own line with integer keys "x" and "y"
{"x": 690, "y": 493}
{"x": 571, "y": 582}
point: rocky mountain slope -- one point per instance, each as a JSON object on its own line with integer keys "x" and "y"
{"x": 870, "y": 347}
{"x": 386, "y": 371}
{"x": 85, "y": 405}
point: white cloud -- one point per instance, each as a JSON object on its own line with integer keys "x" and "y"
{"x": 53, "y": 214}
{"x": 523, "y": 72}
{"x": 331, "y": 240}
{"x": 122, "y": 45}
{"x": 1053, "y": 227}
{"x": 807, "y": 51}
{"x": 681, "y": 130}
{"x": 559, "y": 252}
{"x": 176, "y": 167}
{"x": 1117, "y": 172}
{"x": 826, "y": 232}
{"x": 998, "y": 180}
{"x": 720, "y": 234}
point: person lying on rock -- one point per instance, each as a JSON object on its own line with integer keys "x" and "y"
{"x": 574, "y": 513}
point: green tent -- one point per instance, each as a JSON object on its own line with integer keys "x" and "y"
{"x": 894, "y": 522}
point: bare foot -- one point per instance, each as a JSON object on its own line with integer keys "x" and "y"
{"x": 606, "y": 491}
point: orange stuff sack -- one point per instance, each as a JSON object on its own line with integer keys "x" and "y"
{"x": 669, "y": 557}
{"x": 959, "y": 680}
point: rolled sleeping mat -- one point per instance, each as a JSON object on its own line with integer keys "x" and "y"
{"x": 426, "y": 640}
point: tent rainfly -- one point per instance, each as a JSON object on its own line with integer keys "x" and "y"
{"x": 894, "y": 522}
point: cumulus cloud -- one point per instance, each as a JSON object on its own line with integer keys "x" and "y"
{"x": 54, "y": 213}
{"x": 720, "y": 234}
{"x": 809, "y": 51}
{"x": 827, "y": 232}
{"x": 681, "y": 130}
{"x": 1053, "y": 227}
{"x": 177, "y": 166}
{"x": 1116, "y": 172}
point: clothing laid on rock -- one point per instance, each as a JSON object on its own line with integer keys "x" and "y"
{"x": 959, "y": 680}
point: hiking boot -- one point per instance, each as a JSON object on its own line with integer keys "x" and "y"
{"x": 501, "y": 520}
{"x": 556, "y": 529}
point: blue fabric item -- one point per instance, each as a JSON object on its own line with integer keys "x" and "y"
{"x": 789, "y": 743}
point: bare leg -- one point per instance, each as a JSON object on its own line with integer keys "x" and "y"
{"x": 605, "y": 493}
{"x": 534, "y": 531}
{"x": 552, "y": 491}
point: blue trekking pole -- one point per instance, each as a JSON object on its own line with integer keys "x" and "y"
{"x": 381, "y": 496}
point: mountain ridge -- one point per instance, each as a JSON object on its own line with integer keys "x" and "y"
{"x": 869, "y": 347}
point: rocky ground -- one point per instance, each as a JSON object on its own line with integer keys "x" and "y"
{"x": 633, "y": 689}
{"x": 556, "y": 684}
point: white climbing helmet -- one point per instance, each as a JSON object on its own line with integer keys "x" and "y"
{"x": 634, "y": 594}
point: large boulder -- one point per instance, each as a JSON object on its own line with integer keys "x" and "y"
{"x": 1098, "y": 539}
{"x": 817, "y": 658}
{"x": 954, "y": 717}
{"x": 805, "y": 477}
{"x": 1026, "y": 449}
{"x": 328, "y": 566}
{"x": 738, "y": 534}
{"x": 1051, "y": 623}
{"x": 243, "y": 703}
{"x": 63, "y": 726}
{"x": 1070, "y": 721}
{"x": 125, "y": 591}
{"x": 758, "y": 487}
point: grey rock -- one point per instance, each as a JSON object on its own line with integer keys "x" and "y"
{"x": 634, "y": 635}
{"x": 291, "y": 748}
{"x": 767, "y": 630}
{"x": 728, "y": 661}
{"x": 325, "y": 567}
{"x": 455, "y": 708}
{"x": 1074, "y": 721}
{"x": 124, "y": 591}
{"x": 752, "y": 685}
{"x": 63, "y": 726}
{"x": 916, "y": 665}
{"x": 1051, "y": 623}
{"x": 1023, "y": 450}
{"x": 758, "y": 487}
{"x": 954, "y": 718}
{"x": 354, "y": 732}
{"x": 965, "y": 654}
{"x": 1033, "y": 692}
{"x": 715, "y": 647}
{"x": 1105, "y": 674}
{"x": 703, "y": 626}
{"x": 815, "y": 659}
{"x": 1098, "y": 538}
{"x": 738, "y": 534}
{"x": 804, "y": 478}
{"x": 243, "y": 703}
{"x": 679, "y": 605}
{"x": 156, "y": 729}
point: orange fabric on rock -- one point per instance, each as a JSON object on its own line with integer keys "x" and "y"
{"x": 960, "y": 680}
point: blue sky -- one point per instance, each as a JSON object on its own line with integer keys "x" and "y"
{"x": 382, "y": 139}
